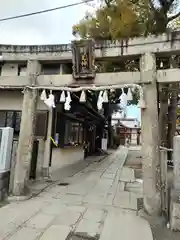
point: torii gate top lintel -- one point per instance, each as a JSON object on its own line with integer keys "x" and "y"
{"x": 165, "y": 44}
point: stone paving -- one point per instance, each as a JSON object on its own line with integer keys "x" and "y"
{"x": 100, "y": 202}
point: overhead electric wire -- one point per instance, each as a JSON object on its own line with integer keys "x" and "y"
{"x": 45, "y": 11}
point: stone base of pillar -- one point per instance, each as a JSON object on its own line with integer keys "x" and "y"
{"x": 45, "y": 172}
{"x": 4, "y": 184}
{"x": 21, "y": 192}
{"x": 19, "y": 198}
{"x": 40, "y": 159}
{"x": 175, "y": 216}
{"x": 154, "y": 220}
{"x": 20, "y": 189}
{"x": 175, "y": 210}
{"x": 152, "y": 206}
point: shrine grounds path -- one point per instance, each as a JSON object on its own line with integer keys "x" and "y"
{"x": 158, "y": 226}
{"x": 98, "y": 202}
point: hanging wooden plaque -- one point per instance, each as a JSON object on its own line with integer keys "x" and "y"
{"x": 83, "y": 59}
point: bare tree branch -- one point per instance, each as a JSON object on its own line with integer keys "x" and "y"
{"x": 152, "y": 5}
{"x": 174, "y": 17}
{"x": 170, "y": 2}
{"x": 108, "y": 2}
{"x": 166, "y": 5}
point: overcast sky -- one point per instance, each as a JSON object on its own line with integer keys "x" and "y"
{"x": 49, "y": 28}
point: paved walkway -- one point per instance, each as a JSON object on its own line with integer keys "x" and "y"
{"x": 100, "y": 201}
{"x": 67, "y": 170}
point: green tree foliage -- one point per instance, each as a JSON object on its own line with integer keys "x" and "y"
{"x": 119, "y": 19}
{"x": 116, "y": 19}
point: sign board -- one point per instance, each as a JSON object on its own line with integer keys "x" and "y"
{"x": 83, "y": 59}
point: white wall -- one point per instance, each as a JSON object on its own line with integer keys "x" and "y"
{"x": 12, "y": 100}
{"x": 65, "y": 156}
{"x": 60, "y": 159}
{"x": 9, "y": 70}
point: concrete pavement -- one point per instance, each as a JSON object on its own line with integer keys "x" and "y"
{"x": 100, "y": 202}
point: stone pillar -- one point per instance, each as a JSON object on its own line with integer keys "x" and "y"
{"x": 150, "y": 138}
{"x": 25, "y": 144}
{"x": 62, "y": 68}
{"x": 13, "y": 164}
{"x": 175, "y": 193}
{"x": 26, "y": 137}
{"x": 164, "y": 193}
{"x": 47, "y": 150}
{"x": 176, "y": 161}
{"x": 40, "y": 158}
{"x": 172, "y": 110}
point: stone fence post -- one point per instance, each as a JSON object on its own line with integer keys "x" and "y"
{"x": 175, "y": 192}
{"x": 176, "y": 161}
{"x": 164, "y": 186}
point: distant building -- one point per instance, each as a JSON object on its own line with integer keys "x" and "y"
{"x": 128, "y": 130}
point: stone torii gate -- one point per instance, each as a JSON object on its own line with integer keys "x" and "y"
{"x": 146, "y": 49}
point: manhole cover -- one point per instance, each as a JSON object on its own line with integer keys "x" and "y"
{"x": 49, "y": 180}
{"x": 63, "y": 184}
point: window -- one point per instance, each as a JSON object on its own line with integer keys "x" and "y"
{"x": 22, "y": 70}
{"x": 73, "y": 133}
{"x": 51, "y": 69}
{"x": 11, "y": 119}
{"x": 17, "y": 122}
{"x": 69, "y": 68}
{"x": 2, "y": 118}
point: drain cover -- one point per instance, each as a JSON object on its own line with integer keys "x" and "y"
{"x": 82, "y": 236}
{"x": 77, "y": 238}
{"x": 63, "y": 184}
